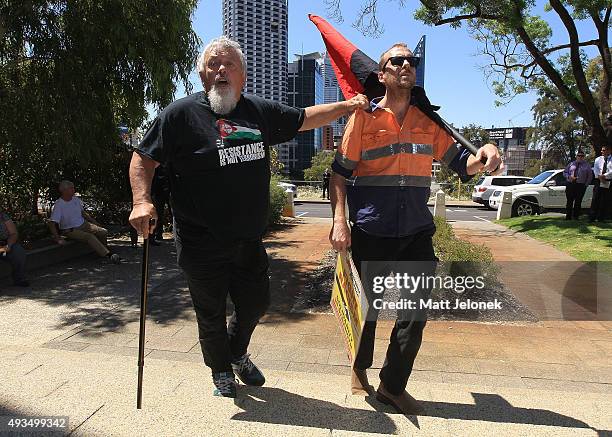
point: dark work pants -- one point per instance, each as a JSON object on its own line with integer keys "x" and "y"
{"x": 407, "y": 333}
{"x": 601, "y": 205}
{"x": 17, "y": 259}
{"x": 213, "y": 269}
{"x": 574, "y": 193}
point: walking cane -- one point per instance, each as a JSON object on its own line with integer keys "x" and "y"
{"x": 143, "y": 312}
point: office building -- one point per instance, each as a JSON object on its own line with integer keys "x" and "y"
{"x": 261, "y": 28}
{"x": 512, "y": 141}
{"x": 331, "y": 94}
{"x": 305, "y": 88}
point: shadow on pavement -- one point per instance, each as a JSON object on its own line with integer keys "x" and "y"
{"x": 494, "y": 408}
{"x": 278, "y": 406}
{"x": 95, "y": 294}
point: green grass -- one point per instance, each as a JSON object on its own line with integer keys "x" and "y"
{"x": 583, "y": 240}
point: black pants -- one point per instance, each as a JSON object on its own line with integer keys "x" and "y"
{"x": 17, "y": 259}
{"x": 214, "y": 269}
{"x": 407, "y": 333}
{"x": 574, "y": 193}
{"x": 326, "y": 190}
{"x": 601, "y": 206}
{"x": 160, "y": 201}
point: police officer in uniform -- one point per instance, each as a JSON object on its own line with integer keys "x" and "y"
{"x": 215, "y": 146}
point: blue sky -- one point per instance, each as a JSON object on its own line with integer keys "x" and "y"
{"x": 453, "y": 78}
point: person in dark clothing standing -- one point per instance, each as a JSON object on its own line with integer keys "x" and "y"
{"x": 601, "y": 205}
{"x": 579, "y": 175}
{"x": 326, "y": 175}
{"x": 216, "y": 148}
{"x": 160, "y": 193}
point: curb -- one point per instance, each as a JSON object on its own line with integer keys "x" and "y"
{"x": 49, "y": 255}
{"x": 459, "y": 205}
{"x": 321, "y": 201}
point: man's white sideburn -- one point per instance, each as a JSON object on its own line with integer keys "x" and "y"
{"x": 222, "y": 100}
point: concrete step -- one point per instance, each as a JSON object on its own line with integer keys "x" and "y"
{"x": 98, "y": 393}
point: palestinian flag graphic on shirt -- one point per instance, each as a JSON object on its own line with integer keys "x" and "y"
{"x": 230, "y": 131}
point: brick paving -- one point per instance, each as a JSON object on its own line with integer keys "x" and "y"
{"x": 554, "y": 350}
{"x": 553, "y": 377}
{"x": 553, "y": 284}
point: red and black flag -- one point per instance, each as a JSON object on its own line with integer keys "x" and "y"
{"x": 358, "y": 74}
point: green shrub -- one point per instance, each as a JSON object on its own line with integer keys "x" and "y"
{"x": 462, "y": 258}
{"x": 277, "y": 202}
{"x": 450, "y": 248}
{"x": 32, "y": 228}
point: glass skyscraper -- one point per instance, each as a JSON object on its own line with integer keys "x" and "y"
{"x": 306, "y": 88}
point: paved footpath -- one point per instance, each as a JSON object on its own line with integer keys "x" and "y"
{"x": 68, "y": 347}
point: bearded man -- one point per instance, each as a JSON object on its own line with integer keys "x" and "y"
{"x": 215, "y": 146}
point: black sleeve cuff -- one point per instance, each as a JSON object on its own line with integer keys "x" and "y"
{"x": 337, "y": 168}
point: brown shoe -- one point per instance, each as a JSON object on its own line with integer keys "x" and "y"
{"x": 403, "y": 403}
{"x": 359, "y": 383}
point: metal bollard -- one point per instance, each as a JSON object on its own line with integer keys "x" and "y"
{"x": 440, "y": 205}
{"x": 289, "y": 208}
{"x": 504, "y": 210}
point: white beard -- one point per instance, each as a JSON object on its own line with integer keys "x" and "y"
{"x": 222, "y": 99}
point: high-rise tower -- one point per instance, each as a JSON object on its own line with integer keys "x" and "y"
{"x": 261, "y": 28}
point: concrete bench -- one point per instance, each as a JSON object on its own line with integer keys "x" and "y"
{"x": 46, "y": 256}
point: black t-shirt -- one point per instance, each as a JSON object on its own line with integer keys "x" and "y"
{"x": 219, "y": 165}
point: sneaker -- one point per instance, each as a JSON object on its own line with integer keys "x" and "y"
{"x": 115, "y": 259}
{"x": 225, "y": 384}
{"x": 247, "y": 371}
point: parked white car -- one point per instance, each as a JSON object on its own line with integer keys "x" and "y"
{"x": 486, "y": 185}
{"x": 545, "y": 192}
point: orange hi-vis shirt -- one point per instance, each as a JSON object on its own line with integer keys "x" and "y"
{"x": 388, "y": 169}
{"x": 382, "y": 153}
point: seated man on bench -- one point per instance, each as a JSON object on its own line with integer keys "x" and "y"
{"x": 75, "y": 223}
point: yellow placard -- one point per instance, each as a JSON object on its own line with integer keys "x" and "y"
{"x": 349, "y": 303}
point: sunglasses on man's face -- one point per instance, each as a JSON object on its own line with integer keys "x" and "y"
{"x": 398, "y": 61}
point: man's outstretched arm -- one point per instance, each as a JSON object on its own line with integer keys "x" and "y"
{"x": 321, "y": 115}
{"x": 142, "y": 170}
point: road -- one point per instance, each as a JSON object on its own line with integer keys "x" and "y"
{"x": 452, "y": 213}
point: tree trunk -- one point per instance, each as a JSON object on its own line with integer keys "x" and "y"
{"x": 34, "y": 204}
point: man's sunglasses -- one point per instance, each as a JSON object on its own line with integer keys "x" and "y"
{"x": 398, "y": 61}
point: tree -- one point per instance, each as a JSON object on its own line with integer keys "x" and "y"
{"x": 321, "y": 161}
{"x": 537, "y": 166}
{"x": 276, "y": 166}
{"x": 73, "y": 71}
{"x": 448, "y": 178}
{"x": 518, "y": 43}
{"x": 559, "y": 130}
